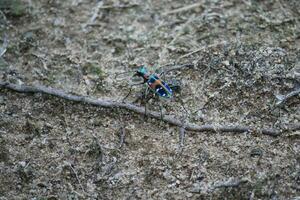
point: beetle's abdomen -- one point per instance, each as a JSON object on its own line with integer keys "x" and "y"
{"x": 159, "y": 87}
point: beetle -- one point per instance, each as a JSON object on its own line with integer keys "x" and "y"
{"x": 154, "y": 83}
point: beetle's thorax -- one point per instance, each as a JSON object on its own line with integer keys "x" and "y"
{"x": 142, "y": 72}
{"x": 146, "y": 77}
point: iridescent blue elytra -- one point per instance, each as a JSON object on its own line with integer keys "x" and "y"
{"x": 155, "y": 83}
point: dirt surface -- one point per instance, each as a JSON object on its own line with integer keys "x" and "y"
{"x": 245, "y": 56}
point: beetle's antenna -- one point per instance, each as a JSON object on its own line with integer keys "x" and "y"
{"x": 122, "y": 73}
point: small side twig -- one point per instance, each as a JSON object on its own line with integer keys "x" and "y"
{"x": 276, "y": 22}
{"x": 182, "y": 127}
{"x": 119, "y": 6}
{"x": 178, "y": 67}
{"x": 201, "y": 49}
{"x": 183, "y": 9}
{"x": 94, "y": 16}
{"x": 3, "y": 16}
{"x": 181, "y": 137}
{"x": 284, "y": 98}
{"x": 76, "y": 175}
{"x": 122, "y": 136}
{"x": 100, "y": 148}
{"x": 229, "y": 183}
{"x": 141, "y": 110}
{"x": 4, "y": 46}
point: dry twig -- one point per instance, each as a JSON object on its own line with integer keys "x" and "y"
{"x": 284, "y": 98}
{"x": 183, "y": 9}
{"x": 178, "y": 67}
{"x": 182, "y": 130}
{"x": 201, "y": 49}
{"x": 4, "y": 46}
{"x": 100, "y": 148}
{"x": 141, "y": 110}
{"x": 122, "y": 136}
{"x": 95, "y": 14}
{"x": 181, "y": 135}
{"x": 229, "y": 183}
{"x": 119, "y": 6}
{"x": 181, "y": 138}
{"x": 276, "y": 22}
{"x": 77, "y": 177}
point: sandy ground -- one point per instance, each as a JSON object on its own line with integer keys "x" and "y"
{"x": 245, "y": 55}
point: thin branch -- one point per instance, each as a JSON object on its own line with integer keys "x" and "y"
{"x": 182, "y": 130}
{"x": 201, "y": 49}
{"x": 181, "y": 136}
{"x": 77, "y": 177}
{"x": 100, "y": 148}
{"x": 181, "y": 31}
{"x": 122, "y": 136}
{"x": 120, "y": 6}
{"x": 188, "y": 65}
{"x": 284, "y": 98}
{"x": 183, "y": 9}
{"x": 141, "y": 110}
{"x": 3, "y": 16}
{"x": 94, "y": 16}
{"x": 229, "y": 183}
{"x": 4, "y": 46}
{"x": 276, "y": 22}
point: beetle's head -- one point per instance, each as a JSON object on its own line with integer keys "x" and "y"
{"x": 142, "y": 71}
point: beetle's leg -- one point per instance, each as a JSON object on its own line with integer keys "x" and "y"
{"x": 123, "y": 100}
{"x": 146, "y": 100}
{"x": 161, "y": 112}
{"x": 145, "y": 114}
{"x": 146, "y": 92}
{"x": 162, "y": 74}
{"x": 130, "y": 91}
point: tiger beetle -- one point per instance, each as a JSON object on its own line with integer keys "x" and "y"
{"x": 156, "y": 86}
